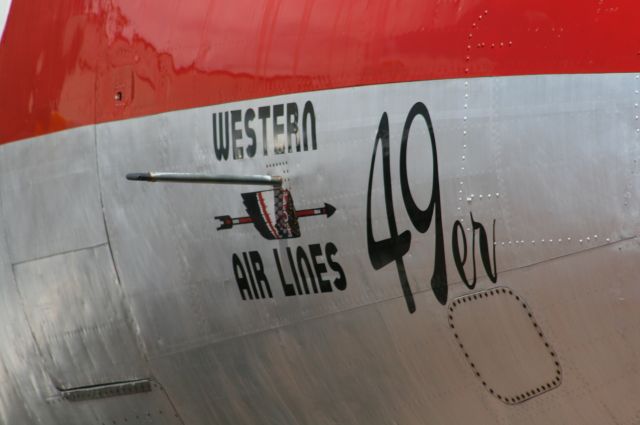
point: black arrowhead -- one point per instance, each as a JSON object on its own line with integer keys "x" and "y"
{"x": 329, "y": 209}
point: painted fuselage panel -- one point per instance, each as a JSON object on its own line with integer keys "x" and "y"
{"x": 310, "y": 326}
{"x": 66, "y": 67}
{"x": 459, "y": 246}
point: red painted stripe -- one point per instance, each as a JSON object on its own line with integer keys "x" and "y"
{"x": 309, "y": 212}
{"x": 63, "y": 63}
{"x": 265, "y": 213}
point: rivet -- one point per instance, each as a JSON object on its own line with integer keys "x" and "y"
{"x": 466, "y": 106}
{"x": 468, "y": 199}
{"x": 533, "y": 242}
{"x": 588, "y": 238}
{"x": 461, "y": 168}
{"x": 480, "y": 196}
{"x": 497, "y": 194}
{"x": 580, "y": 240}
{"x": 489, "y": 196}
{"x": 464, "y": 132}
{"x": 569, "y": 239}
{"x": 466, "y": 95}
{"x": 464, "y": 118}
{"x": 559, "y": 240}
{"x": 463, "y": 157}
{"x": 595, "y": 236}
{"x": 608, "y": 240}
{"x": 542, "y": 241}
{"x": 464, "y": 146}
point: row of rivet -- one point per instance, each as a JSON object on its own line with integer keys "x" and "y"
{"x": 481, "y": 44}
{"x": 464, "y": 147}
{"x": 635, "y": 105}
{"x": 551, "y": 240}
{"x": 471, "y": 197}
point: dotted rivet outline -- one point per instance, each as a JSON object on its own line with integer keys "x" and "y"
{"x": 526, "y": 395}
{"x": 283, "y": 170}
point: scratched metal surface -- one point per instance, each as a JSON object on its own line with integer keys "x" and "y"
{"x": 65, "y": 322}
{"x": 91, "y": 342}
{"x": 51, "y": 196}
{"x": 557, "y": 155}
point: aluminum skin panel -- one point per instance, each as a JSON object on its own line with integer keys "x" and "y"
{"x": 552, "y": 159}
{"x": 51, "y": 196}
{"x": 392, "y": 367}
{"x": 28, "y": 393}
{"x": 75, "y": 308}
{"x": 18, "y": 355}
{"x": 53, "y": 231}
{"x": 559, "y": 177}
{"x": 163, "y": 235}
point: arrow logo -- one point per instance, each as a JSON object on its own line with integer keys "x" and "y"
{"x": 273, "y": 214}
{"x": 227, "y": 222}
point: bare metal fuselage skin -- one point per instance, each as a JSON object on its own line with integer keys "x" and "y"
{"x": 451, "y": 251}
